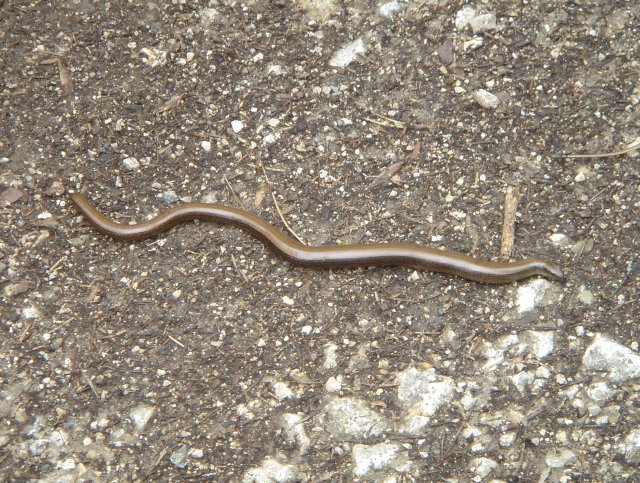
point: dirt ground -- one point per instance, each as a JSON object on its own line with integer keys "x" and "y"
{"x": 184, "y": 356}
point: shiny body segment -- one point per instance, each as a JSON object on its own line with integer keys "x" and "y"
{"x": 357, "y": 255}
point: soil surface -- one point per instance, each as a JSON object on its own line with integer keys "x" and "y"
{"x": 200, "y": 354}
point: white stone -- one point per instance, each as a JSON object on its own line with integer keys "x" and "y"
{"x": 272, "y": 471}
{"x": 333, "y": 384}
{"x": 140, "y": 415}
{"x": 486, "y": 99}
{"x": 601, "y": 392}
{"x": 281, "y": 390}
{"x": 539, "y": 343}
{"x": 586, "y": 296}
{"x": 154, "y": 57}
{"x": 421, "y": 393}
{"x": 288, "y": 300}
{"x": 390, "y": 8}
{"x": 483, "y": 23}
{"x": 521, "y": 380}
{"x": 531, "y": 294}
{"x": 352, "y": 418}
{"x": 494, "y": 351}
{"x": 482, "y": 466}
{"x": 67, "y": 464}
{"x": 464, "y": 16}
{"x": 270, "y": 138}
{"x": 347, "y": 54}
{"x": 206, "y": 146}
{"x": 472, "y": 44}
{"x": 237, "y": 126}
{"x": 560, "y": 458}
{"x": 604, "y": 354}
{"x": 196, "y": 453}
{"x": 294, "y": 431}
{"x": 179, "y": 457}
{"x": 131, "y": 163}
{"x": 330, "y": 356}
{"x": 367, "y": 458}
{"x": 631, "y": 447}
{"x": 507, "y": 439}
{"x": 560, "y": 239}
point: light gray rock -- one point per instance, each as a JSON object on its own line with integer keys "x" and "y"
{"x": 179, "y": 457}
{"x": 352, "y": 418}
{"x": 484, "y": 22}
{"x": 140, "y": 416}
{"x": 131, "y": 163}
{"x": 421, "y": 393}
{"x": 606, "y": 355}
{"x": 347, "y": 54}
{"x": 631, "y": 447}
{"x": 486, "y": 99}
{"x": 383, "y": 456}
{"x": 271, "y": 470}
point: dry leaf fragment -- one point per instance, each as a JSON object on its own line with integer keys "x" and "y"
{"x": 262, "y": 192}
{"x": 416, "y": 151}
{"x": 10, "y": 196}
{"x": 170, "y": 104}
{"x": 65, "y": 77}
{"x": 386, "y": 174}
{"x": 21, "y": 286}
{"x": 300, "y": 377}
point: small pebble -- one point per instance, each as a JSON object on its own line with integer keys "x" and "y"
{"x": 486, "y": 99}
{"x": 237, "y": 126}
{"x": 389, "y": 8}
{"x": 131, "y": 163}
{"x": 170, "y": 196}
{"x": 288, "y": 300}
{"x": 179, "y": 457}
{"x": 483, "y": 23}
{"x": 333, "y": 385}
{"x": 347, "y": 54}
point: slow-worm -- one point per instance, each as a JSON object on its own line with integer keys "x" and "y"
{"x": 357, "y": 255}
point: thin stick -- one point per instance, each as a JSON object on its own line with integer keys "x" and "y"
{"x": 233, "y": 193}
{"x": 176, "y": 341}
{"x": 511, "y": 200}
{"x": 233, "y": 259}
{"x": 635, "y": 145}
{"x": 275, "y": 202}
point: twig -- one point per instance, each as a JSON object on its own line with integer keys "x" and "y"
{"x": 176, "y": 341}
{"x": 635, "y": 145}
{"x": 160, "y": 456}
{"x": 275, "y": 202}
{"x": 233, "y": 259}
{"x": 511, "y": 200}
{"x": 387, "y": 121}
{"x": 233, "y": 193}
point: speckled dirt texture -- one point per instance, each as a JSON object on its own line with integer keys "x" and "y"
{"x": 201, "y": 355}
